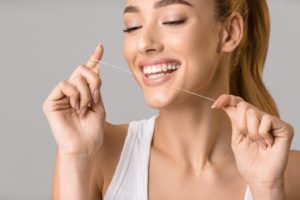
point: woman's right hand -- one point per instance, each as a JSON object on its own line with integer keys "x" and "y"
{"x": 75, "y": 110}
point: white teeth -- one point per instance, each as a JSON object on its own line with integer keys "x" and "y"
{"x": 159, "y": 68}
{"x": 156, "y": 75}
{"x": 165, "y": 68}
{"x": 152, "y": 71}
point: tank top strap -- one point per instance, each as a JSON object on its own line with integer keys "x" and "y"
{"x": 130, "y": 180}
{"x": 248, "y": 195}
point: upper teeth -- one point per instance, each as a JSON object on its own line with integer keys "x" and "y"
{"x": 159, "y": 68}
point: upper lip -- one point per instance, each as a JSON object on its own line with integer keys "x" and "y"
{"x": 156, "y": 61}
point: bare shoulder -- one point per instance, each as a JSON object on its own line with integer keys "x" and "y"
{"x": 292, "y": 175}
{"x": 109, "y": 153}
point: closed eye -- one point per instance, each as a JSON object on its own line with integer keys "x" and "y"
{"x": 131, "y": 29}
{"x": 172, "y": 23}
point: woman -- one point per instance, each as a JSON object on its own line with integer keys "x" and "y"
{"x": 236, "y": 148}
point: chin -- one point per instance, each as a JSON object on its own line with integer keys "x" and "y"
{"x": 159, "y": 99}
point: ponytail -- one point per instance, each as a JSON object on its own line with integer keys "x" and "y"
{"x": 249, "y": 58}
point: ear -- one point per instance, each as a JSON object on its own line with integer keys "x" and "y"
{"x": 232, "y": 32}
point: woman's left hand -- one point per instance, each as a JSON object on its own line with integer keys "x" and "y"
{"x": 260, "y": 142}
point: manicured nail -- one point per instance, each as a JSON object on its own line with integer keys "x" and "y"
{"x": 96, "y": 96}
{"x": 77, "y": 106}
{"x": 214, "y": 105}
{"x": 83, "y": 111}
{"x": 263, "y": 144}
{"x": 100, "y": 45}
{"x": 269, "y": 143}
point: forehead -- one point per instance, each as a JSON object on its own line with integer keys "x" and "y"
{"x": 152, "y": 3}
{"x": 202, "y": 9}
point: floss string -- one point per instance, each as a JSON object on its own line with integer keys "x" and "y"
{"x": 127, "y": 71}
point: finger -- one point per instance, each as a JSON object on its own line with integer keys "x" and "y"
{"x": 90, "y": 77}
{"x": 84, "y": 91}
{"x": 242, "y": 108}
{"x": 253, "y": 123}
{"x": 265, "y": 129}
{"x": 62, "y": 90}
{"x": 98, "y": 105}
{"x": 229, "y": 104}
{"x": 226, "y": 100}
{"x": 93, "y": 61}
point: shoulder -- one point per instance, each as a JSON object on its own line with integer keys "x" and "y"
{"x": 292, "y": 175}
{"x": 109, "y": 153}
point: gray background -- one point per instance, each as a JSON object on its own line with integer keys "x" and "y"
{"x": 42, "y": 42}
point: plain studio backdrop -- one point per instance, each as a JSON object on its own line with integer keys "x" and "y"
{"x": 42, "y": 42}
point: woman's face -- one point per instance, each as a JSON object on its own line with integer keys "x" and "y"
{"x": 172, "y": 43}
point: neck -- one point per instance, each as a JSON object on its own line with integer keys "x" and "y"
{"x": 193, "y": 134}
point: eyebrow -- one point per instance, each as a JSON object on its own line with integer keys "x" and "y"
{"x": 159, "y": 4}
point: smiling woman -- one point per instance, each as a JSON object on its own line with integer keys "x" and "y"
{"x": 237, "y": 146}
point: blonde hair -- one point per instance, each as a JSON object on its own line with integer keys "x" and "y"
{"x": 249, "y": 58}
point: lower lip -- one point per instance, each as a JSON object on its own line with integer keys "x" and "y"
{"x": 154, "y": 82}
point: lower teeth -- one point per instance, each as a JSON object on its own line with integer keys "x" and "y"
{"x": 157, "y": 75}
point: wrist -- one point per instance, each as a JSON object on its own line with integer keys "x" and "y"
{"x": 81, "y": 163}
{"x": 265, "y": 191}
{"x": 74, "y": 176}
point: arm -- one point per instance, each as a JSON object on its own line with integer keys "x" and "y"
{"x": 74, "y": 178}
{"x": 290, "y": 188}
{"x": 76, "y": 116}
{"x": 88, "y": 179}
{"x": 274, "y": 192}
{"x": 292, "y": 176}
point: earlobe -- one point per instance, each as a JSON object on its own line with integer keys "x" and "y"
{"x": 232, "y": 33}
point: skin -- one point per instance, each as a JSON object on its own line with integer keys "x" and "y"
{"x": 192, "y": 142}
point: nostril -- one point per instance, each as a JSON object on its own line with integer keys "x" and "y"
{"x": 150, "y": 50}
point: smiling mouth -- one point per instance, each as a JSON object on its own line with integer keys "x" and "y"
{"x": 159, "y": 70}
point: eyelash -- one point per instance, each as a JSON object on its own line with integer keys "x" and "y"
{"x": 171, "y": 23}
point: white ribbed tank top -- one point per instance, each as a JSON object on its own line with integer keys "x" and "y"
{"x": 130, "y": 181}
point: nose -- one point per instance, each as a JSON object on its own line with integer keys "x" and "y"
{"x": 149, "y": 41}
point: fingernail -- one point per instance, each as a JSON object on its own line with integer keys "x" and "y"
{"x": 96, "y": 96}
{"x": 100, "y": 45}
{"x": 82, "y": 112}
{"x": 77, "y": 106}
{"x": 269, "y": 143}
{"x": 214, "y": 105}
{"x": 263, "y": 144}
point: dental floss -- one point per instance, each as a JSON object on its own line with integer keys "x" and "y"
{"x": 127, "y": 71}
{"x": 199, "y": 95}
{"x": 116, "y": 67}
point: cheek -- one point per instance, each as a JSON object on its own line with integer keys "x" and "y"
{"x": 198, "y": 46}
{"x": 196, "y": 41}
{"x": 202, "y": 45}
{"x": 129, "y": 51}
{"x": 203, "y": 63}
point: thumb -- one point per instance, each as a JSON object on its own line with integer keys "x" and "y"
{"x": 236, "y": 136}
{"x": 231, "y": 112}
{"x": 229, "y": 104}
